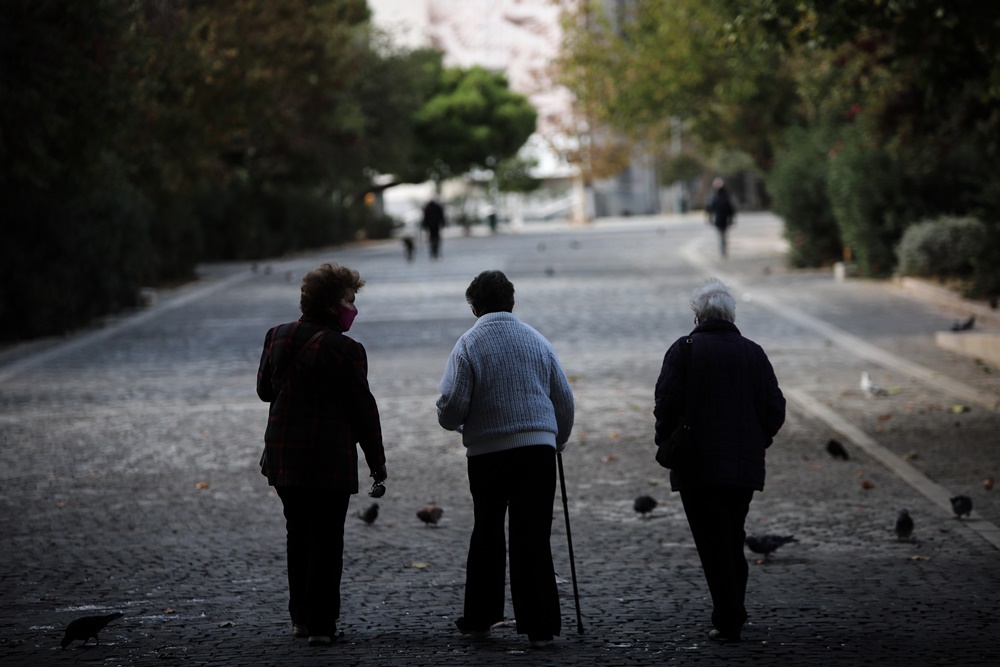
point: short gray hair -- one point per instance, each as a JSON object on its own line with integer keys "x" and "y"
{"x": 713, "y": 301}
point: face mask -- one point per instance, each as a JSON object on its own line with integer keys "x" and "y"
{"x": 346, "y": 318}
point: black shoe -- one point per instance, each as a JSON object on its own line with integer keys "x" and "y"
{"x": 475, "y": 633}
{"x": 326, "y": 640}
{"x": 718, "y": 636}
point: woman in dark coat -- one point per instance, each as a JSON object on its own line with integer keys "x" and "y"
{"x": 316, "y": 380}
{"x": 730, "y": 399}
{"x": 721, "y": 212}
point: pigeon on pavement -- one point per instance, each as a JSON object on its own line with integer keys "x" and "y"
{"x": 964, "y": 326}
{"x": 836, "y": 450}
{"x": 961, "y": 505}
{"x": 86, "y": 627}
{"x": 767, "y": 544}
{"x": 644, "y": 505}
{"x": 870, "y": 387}
{"x": 430, "y": 514}
{"x": 903, "y": 526}
{"x": 369, "y": 515}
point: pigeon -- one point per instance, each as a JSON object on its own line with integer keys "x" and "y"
{"x": 961, "y": 505}
{"x": 835, "y": 449}
{"x": 964, "y": 326}
{"x": 903, "y": 526}
{"x": 767, "y": 544}
{"x": 369, "y": 515}
{"x": 644, "y": 505}
{"x": 430, "y": 514}
{"x": 871, "y": 387}
{"x": 86, "y": 627}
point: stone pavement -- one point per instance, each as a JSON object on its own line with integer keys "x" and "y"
{"x": 130, "y": 450}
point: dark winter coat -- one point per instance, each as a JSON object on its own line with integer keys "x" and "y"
{"x": 720, "y": 208}
{"x": 434, "y": 218}
{"x": 736, "y": 406}
{"x": 319, "y": 411}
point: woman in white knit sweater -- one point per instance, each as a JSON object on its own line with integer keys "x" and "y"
{"x": 504, "y": 389}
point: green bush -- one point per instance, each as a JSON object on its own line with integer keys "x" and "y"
{"x": 242, "y": 223}
{"x": 797, "y": 185}
{"x": 67, "y": 261}
{"x": 946, "y": 247}
{"x": 871, "y": 200}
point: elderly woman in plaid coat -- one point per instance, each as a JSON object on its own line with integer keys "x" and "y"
{"x": 316, "y": 380}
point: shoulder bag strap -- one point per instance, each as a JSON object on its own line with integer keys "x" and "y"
{"x": 298, "y": 355}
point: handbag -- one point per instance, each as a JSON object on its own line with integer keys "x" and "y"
{"x": 678, "y": 450}
{"x": 281, "y": 385}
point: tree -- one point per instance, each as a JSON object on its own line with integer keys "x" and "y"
{"x": 472, "y": 117}
{"x": 70, "y": 209}
{"x": 635, "y": 69}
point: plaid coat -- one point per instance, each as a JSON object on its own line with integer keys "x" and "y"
{"x": 321, "y": 411}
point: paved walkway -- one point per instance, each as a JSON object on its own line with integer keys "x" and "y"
{"x": 129, "y": 475}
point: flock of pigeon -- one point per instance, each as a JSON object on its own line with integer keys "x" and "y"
{"x": 759, "y": 544}
{"x": 903, "y": 527}
{"x": 88, "y": 626}
{"x": 430, "y": 514}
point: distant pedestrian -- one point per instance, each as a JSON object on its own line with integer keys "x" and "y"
{"x": 721, "y": 212}
{"x": 723, "y": 387}
{"x": 434, "y": 220}
{"x": 505, "y": 390}
{"x": 315, "y": 379}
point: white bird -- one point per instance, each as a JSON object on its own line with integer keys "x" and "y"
{"x": 871, "y": 387}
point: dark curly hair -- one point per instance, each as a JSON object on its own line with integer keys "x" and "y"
{"x": 490, "y": 292}
{"x": 324, "y": 287}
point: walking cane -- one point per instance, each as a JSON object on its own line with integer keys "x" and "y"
{"x": 569, "y": 541}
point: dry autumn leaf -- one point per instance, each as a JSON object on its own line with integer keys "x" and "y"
{"x": 202, "y": 485}
{"x": 865, "y": 484}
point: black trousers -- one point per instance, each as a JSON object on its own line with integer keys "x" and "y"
{"x": 523, "y": 482}
{"x": 716, "y": 515}
{"x": 314, "y": 522}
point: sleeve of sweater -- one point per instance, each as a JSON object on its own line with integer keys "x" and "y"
{"x": 456, "y": 389}
{"x": 561, "y": 395}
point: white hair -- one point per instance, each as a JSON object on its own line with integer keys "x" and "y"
{"x": 713, "y": 301}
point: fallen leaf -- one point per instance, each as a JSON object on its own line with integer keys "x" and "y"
{"x": 916, "y": 557}
{"x": 614, "y": 435}
{"x": 894, "y": 390}
{"x": 227, "y": 624}
{"x": 884, "y": 418}
{"x": 169, "y": 610}
{"x": 912, "y": 454}
{"x": 202, "y": 485}
{"x": 609, "y": 458}
{"x": 865, "y": 484}
{"x": 418, "y": 565}
{"x": 989, "y": 482}
{"x": 959, "y": 408}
